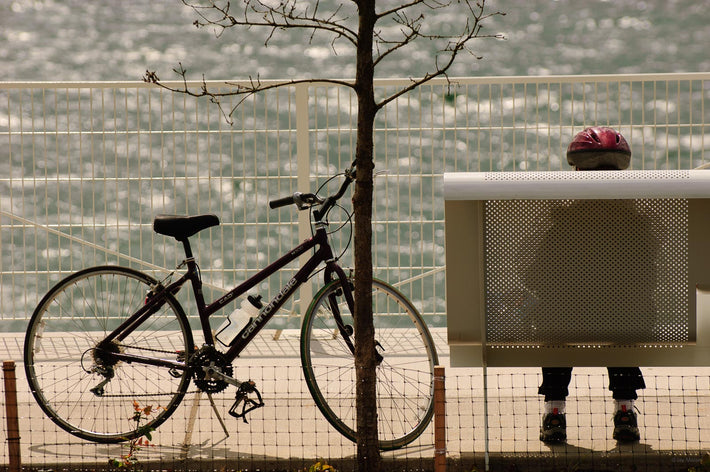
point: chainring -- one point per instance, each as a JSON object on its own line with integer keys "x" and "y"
{"x": 206, "y": 360}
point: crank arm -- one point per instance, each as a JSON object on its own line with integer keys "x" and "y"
{"x": 222, "y": 376}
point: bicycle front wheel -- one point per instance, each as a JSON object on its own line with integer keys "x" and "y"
{"x": 88, "y": 392}
{"x": 405, "y": 377}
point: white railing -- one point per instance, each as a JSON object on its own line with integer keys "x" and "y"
{"x": 84, "y": 167}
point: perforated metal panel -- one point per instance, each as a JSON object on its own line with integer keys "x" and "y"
{"x": 591, "y": 185}
{"x": 648, "y": 175}
{"x": 587, "y": 271}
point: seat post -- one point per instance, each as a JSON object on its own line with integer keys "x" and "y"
{"x": 193, "y": 274}
{"x": 188, "y": 250}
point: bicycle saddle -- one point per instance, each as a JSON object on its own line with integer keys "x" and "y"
{"x": 182, "y": 227}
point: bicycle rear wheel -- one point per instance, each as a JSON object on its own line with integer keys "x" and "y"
{"x": 405, "y": 377}
{"x": 63, "y": 366}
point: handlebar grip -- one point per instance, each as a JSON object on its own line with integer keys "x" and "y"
{"x": 281, "y": 202}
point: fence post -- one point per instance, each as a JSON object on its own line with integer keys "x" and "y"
{"x": 439, "y": 419}
{"x": 303, "y": 181}
{"x": 13, "y": 427}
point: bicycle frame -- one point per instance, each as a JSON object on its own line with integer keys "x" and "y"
{"x": 323, "y": 253}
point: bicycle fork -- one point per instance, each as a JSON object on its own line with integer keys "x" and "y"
{"x": 347, "y": 331}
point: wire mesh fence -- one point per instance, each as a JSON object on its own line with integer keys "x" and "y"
{"x": 290, "y": 434}
{"x": 672, "y": 412}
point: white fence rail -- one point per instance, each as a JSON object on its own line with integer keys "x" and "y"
{"x": 84, "y": 167}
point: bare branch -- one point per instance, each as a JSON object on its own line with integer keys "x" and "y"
{"x": 278, "y": 15}
{"x": 275, "y": 17}
{"x": 431, "y": 4}
{"x": 456, "y": 44}
{"x": 244, "y": 92}
{"x": 411, "y": 27}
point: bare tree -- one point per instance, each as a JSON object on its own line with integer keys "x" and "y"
{"x": 375, "y": 35}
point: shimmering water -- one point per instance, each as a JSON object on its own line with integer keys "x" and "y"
{"x": 119, "y": 40}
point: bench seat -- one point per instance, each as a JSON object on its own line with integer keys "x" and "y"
{"x": 597, "y": 268}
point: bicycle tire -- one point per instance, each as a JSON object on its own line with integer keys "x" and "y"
{"x": 405, "y": 377}
{"x": 59, "y": 354}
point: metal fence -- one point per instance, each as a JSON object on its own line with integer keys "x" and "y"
{"x": 84, "y": 168}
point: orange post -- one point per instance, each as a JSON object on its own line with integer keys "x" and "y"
{"x": 13, "y": 426}
{"x": 439, "y": 419}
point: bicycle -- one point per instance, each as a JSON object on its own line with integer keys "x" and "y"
{"x": 132, "y": 341}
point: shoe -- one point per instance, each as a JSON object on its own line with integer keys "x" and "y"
{"x": 554, "y": 428}
{"x": 625, "y": 426}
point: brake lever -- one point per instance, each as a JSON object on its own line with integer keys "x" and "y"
{"x": 305, "y": 201}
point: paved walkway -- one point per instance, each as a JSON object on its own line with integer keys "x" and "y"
{"x": 289, "y": 432}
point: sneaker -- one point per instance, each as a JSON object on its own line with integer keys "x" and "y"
{"x": 554, "y": 428}
{"x": 625, "y": 426}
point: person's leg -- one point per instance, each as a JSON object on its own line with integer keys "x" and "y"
{"x": 623, "y": 383}
{"x": 555, "y": 383}
{"x": 555, "y": 388}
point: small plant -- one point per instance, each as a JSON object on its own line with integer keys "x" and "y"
{"x": 321, "y": 467}
{"x": 129, "y": 460}
{"x": 704, "y": 464}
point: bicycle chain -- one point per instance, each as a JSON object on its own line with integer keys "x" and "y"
{"x": 133, "y": 395}
{"x": 149, "y": 349}
{"x": 201, "y": 356}
{"x": 144, "y": 395}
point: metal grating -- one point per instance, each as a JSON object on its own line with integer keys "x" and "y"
{"x": 589, "y": 271}
{"x": 583, "y": 176}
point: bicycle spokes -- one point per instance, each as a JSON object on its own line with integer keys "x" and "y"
{"x": 405, "y": 356}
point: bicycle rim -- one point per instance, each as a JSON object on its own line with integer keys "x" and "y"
{"x": 60, "y": 360}
{"x": 405, "y": 377}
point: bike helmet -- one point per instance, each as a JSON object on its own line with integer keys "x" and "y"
{"x": 599, "y": 148}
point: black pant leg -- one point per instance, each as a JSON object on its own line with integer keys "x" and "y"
{"x": 624, "y": 381}
{"x": 555, "y": 383}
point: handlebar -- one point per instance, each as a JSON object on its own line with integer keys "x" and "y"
{"x": 301, "y": 200}
{"x": 281, "y": 202}
{"x": 305, "y": 201}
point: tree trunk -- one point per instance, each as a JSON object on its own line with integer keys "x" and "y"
{"x": 368, "y": 452}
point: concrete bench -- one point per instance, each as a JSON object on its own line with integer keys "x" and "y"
{"x": 596, "y": 268}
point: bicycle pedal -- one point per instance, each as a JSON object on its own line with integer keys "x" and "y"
{"x": 175, "y": 373}
{"x": 247, "y": 404}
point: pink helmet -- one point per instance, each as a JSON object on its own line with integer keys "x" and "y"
{"x": 599, "y": 148}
